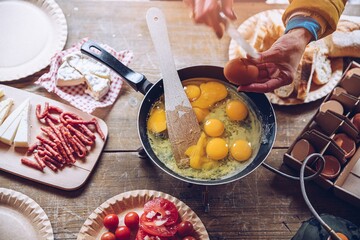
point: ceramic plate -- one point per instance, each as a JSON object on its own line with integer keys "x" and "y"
{"x": 31, "y": 33}
{"x": 267, "y": 19}
{"x": 134, "y": 201}
{"x": 22, "y": 218}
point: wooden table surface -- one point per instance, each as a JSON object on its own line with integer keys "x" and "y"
{"x": 259, "y": 206}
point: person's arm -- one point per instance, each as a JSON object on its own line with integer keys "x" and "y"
{"x": 325, "y": 12}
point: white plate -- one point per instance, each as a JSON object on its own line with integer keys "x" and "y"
{"x": 31, "y": 33}
{"x": 22, "y": 218}
{"x": 246, "y": 29}
{"x": 134, "y": 201}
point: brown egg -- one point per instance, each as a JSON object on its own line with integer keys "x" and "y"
{"x": 332, "y": 167}
{"x": 239, "y": 71}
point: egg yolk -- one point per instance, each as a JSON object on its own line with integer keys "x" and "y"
{"x": 211, "y": 93}
{"x": 241, "y": 150}
{"x": 157, "y": 120}
{"x": 214, "y": 127}
{"x": 236, "y": 110}
{"x": 200, "y": 113}
{"x": 192, "y": 92}
{"x": 217, "y": 149}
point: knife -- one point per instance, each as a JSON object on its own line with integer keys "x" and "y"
{"x": 236, "y": 36}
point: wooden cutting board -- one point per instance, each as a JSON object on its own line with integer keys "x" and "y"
{"x": 68, "y": 178}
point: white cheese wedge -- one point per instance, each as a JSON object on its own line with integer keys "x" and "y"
{"x": 13, "y": 117}
{"x": 68, "y": 76}
{"x": 97, "y": 87}
{"x": 22, "y": 136}
{"x": 86, "y": 65}
{"x": 1, "y": 92}
{"x": 5, "y": 107}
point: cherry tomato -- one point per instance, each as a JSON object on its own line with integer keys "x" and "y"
{"x": 111, "y": 221}
{"x": 154, "y": 227}
{"x": 164, "y": 210}
{"x": 185, "y": 228}
{"x": 108, "y": 236}
{"x": 122, "y": 233}
{"x": 131, "y": 220}
{"x": 189, "y": 238}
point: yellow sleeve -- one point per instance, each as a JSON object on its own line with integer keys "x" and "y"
{"x": 326, "y": 12}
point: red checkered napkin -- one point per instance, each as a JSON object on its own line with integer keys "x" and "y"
{"x": 76, "y": 95}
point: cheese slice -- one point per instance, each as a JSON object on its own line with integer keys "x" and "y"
{"x": 68, "y": 76}
{"x": 22, "y": 136}
{"x": 97, "y": 87}
{"x": 13, "y": 116}
{"x": 5, "y": 107}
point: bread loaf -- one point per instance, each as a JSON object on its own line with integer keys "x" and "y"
{"x": 344, "y": 44}
{"x": 307, "y": 70}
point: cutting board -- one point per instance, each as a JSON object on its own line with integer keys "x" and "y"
{"x": 68, "y": 178}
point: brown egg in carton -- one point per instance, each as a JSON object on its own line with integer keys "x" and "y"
{"x": 334, "y": 132}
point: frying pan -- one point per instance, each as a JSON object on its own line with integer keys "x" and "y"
{"x": 152, "y": 92}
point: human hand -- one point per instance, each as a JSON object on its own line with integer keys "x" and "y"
{"x": 208, "y": 12}
{"x": 277, "y": 66}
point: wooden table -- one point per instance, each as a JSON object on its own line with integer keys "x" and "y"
{"x": 259, "y": 206}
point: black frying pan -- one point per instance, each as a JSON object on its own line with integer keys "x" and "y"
{"x": 153, "y": 92}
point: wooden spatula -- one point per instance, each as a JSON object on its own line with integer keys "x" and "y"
{"x": 183, "y": 128}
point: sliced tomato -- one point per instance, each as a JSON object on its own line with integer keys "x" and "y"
{"x": 141, "y": 234}
{"x": 156, "y": 227}
{"x": 164, "y": 210}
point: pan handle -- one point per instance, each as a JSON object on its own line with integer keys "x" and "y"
{"x": 136, "y": 80}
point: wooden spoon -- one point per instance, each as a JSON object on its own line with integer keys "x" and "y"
{"x": 182, "y": 125}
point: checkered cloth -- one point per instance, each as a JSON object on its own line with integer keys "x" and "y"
{"x": 76, "y": 95}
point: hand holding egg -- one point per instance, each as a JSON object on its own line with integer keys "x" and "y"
{"x": 240, "y": 71}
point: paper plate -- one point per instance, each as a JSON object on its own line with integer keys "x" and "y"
{"x": 22, "y": 218}
{"x": 123, "y": 203}
{"x": 267, "y": 19}
{"x": 31, "y": 33}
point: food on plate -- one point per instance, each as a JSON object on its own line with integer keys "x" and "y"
{"x": 65, "y": 138}
{"x": 122, "y": 233}
{"x": 111, "y": 221}
{"x": 185, "y": 228}
{"x": 131, "y": 220}
{"x": 78, "y": 68}
{"x": 10, "y": 128}
{"x": 5, "y": 107}
{"x": 240, "y": 71}
{"x": 159, "y": 220}
{"x": 108, "y": 236}
{"x": 225, "y": 116}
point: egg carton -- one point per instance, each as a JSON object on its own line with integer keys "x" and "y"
{"x": 334, "y": 132}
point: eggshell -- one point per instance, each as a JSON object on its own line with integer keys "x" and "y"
{"x": 332, "y": 167}
{"x": 332, "y": 105}
{"x": 345, "y": 143}
{"x": 239, "y": 71}
{"x": 302, "y": 149}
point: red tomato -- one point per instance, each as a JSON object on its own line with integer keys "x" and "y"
{"x": 122, "y": 233}
{"x": 141, "y": 234}
{"x": 163, "y": 208}
{"x": 131, "y": 220}
{"x": 108, "y": 236}
{"x": 185, "y": 228}
{"x": 152, "y": 226}
{"x": 111, "y": 221}
{"x": 189, "y": 238}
